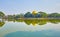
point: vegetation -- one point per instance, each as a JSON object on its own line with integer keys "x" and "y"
{"x": 43, "y": 14}
{"x": 1, "y": 14}
{"x": 54, "y": 15}
{"x": 34, "y": 14}
{"x": 33, "y": 18}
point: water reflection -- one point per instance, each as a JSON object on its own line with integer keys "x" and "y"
{"x": 1, "y": 23}
{"x": 30, "y": 28}
{"x": 45, "y": 33}
{"x": 35, "y": 21}
{"x": 32, "y": 21}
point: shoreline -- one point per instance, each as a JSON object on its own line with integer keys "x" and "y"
{"x": 38, "y": 18}
{"x": 34, "y": 18}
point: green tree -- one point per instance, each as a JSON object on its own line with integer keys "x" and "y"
{"x": 1, "y": 14}
{"x": 43, "y": 14}
{"x": 28, "y": 15}
{"x": 10, "y": 17}
{"x": 54, "y": 15}
{"x": 19, "y": 16}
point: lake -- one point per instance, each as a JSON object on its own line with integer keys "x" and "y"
{"x": 30, "y": 28}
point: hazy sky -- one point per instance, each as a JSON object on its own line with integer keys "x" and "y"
{"x": 23, "y": 6}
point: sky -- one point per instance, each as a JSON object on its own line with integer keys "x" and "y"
{"x": 23, "y": 6}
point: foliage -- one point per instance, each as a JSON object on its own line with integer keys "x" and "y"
{"x": 34, "y": 14}
{"x": 54, "y": 15}
{"x": 43, "y": 14}
{"x": 1, "y": 14}
{"x": 19, "y": 16}
{"x": 28, "y": 15}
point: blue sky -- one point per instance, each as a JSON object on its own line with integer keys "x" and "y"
{"x": 23, "y": 6}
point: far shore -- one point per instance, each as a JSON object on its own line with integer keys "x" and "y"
{"x": 32, "y": 18}
{"x": 38, "y": 18}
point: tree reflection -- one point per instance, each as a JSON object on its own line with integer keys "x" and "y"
{"x": 19, "y": 20}
{"x": 27, "y": 21}
{"x": 2, "y": 23}
{"x": 55, "y": 21}
{"x": 34, "y": 22}
{"x": 42, "y": 22}
{"x": 39, "y": 21}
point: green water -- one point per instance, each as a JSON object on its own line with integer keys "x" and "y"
{"x": 30, "y": 28}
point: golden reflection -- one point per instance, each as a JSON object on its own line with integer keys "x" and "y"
{"x": 1, "y": 23}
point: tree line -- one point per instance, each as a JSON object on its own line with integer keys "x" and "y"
{"x": 33, "y": 14}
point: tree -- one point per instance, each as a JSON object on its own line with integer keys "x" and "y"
{"x": 42, "y": 14}
{"x": 34, "y": 12}
{"x": 28, "y": 15}
{"x": 37, "y": 15}
{"x": 54, "y": 15}
{"x": 19, "y": 16}
{"x": 1, "y": 14}
{"x": 10, "y": 17}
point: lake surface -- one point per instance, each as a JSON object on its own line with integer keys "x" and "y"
{"x": 30, "y": 28}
